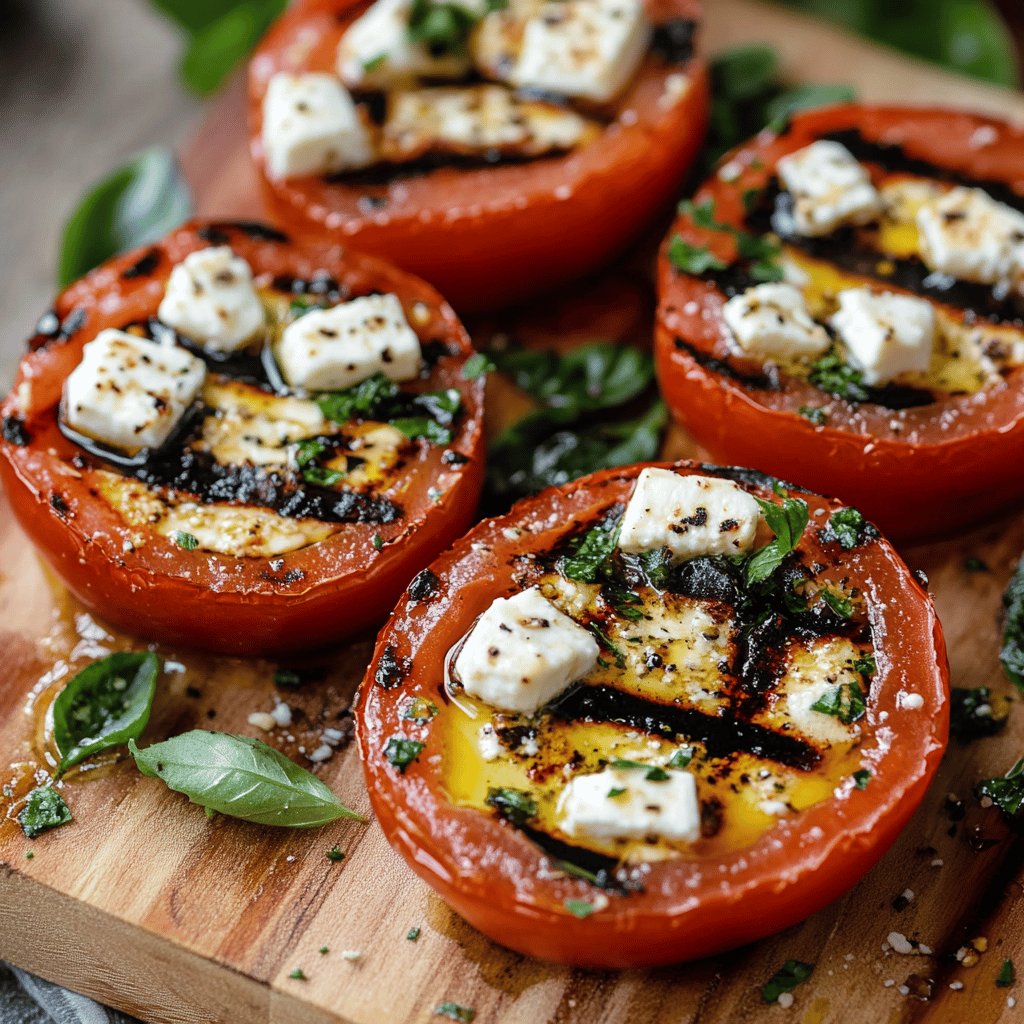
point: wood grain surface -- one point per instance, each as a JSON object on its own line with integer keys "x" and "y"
{"x": 146, "y": 904}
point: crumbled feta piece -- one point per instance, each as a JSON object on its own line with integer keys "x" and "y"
{"x": 282, "y": 714}
{"x": 321, "y": 753}
{"x": 312, "y": 126}
{"x": 583, "y": 48}
{"x": 523, "y": 652}
{"x": 771, "y": 321}
{"x": 129, "y": 392}
{"x": 210, "y": 298}
{"x": 668, "y": 809}
{"x": 906, "y": 699}
{"x": 885, "y": 334}
{"x": 829, "y": 187}
{"x": 967, "y": 234}
{"x": 479, "y": 119}
{"x": 377, "y": 50}
{"x": 688, "y": 514}
{"x": 332, "y": 349}
{"x": 262, "y": 720}
{"x": 488, "y": 743}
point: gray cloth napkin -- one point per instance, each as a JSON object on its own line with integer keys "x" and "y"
{"x": 26, "y": 999}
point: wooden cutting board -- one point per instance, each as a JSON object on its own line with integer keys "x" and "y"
{"x": 145, "y": 904}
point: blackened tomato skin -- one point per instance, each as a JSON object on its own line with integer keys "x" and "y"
{"x": 501, "y": 882}
{"x": 948, "y": 464}
{"x": 251, "y": 606}
{"x": 487, "y": 237}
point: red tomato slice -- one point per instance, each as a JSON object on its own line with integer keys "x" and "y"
{"x": 917, "y": 471}
{"x": 754, "y": 875}
{"x": 488, "y": 236}
{"x": 143, "y": 580}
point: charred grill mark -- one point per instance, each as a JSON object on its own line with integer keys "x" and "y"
{"x": 386, "y": 174}
{"x": 423, "y": 585}
{"x": 322, "y": 285}
{"x": 603, "y": 868}
{"x": 144, "y": 266}
{"x": 215, "y": 236}
{"x": 673, "y": 40}
{"x": 721, "y": 736}
{"x": 50, "y": 330}
{"x": 391, "y": 670}
{"x": 768, "y": 380}
{"x": 242, "y": 366}
{"x": 255, "y": 230}
{"x": 15, "y": 431}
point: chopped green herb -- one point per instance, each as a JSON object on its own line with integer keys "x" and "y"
{"x": 788, "y": 522}
{"x": 335, "y": 854}
{"x": 848, "y": 528}
{"x": 608, "y": 644}
{"x": 374, "y": 62}
{"x": 785, "y": 979}
{"x": 832, "y": 375}
{"x": 615, "y": 791}
{"x": 184, "y": 540}
{"x": 579, "y": 908}
{"x": 1012, "y": 653}
{"x": 365, "y": 400}
{"x": 845, "y": 702}
{"x": 1007, "y": 792}
{"x": 593, "y": 552}
{"x": 515, "y": 805}
{"x": 419, "y": 709}
{"x": 324, "y": 950}
{"x": 692, "y": 259}
{"x": 287, "y": 677}
{"x": 320, "y": 476}
{"x": 977, "y": 712}
{"x": 298, "y": 974}
{"x": 378, "y": 541}
{"x": 477, "y": 365}
{"x": 974, "y": 564}
{"x": 861, "y": 778}
{"x": 839, "y": 603}
{"x": 814, "y": 413}
{"x": 654, "y": 773}
{"x": 401, "y": 752}
{"x": 440, "y": 26}
{"x": 422, "y": 426}
{"x": 865, "y": 666}
{"x": 29, "y": 854}
{"x": 309, "y": 451}
{"x": 656, "y": 566}
{"x": 453, "y": 1011}
{"x": 1007, "y": 975}
{"x": 44, "y": 809}
{"x": 413, "y": 934}
{"x": 681, "y": 758}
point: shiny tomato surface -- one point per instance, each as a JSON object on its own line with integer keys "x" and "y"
{"x": 918, "y": 471}
{"x": 487, "y": 236}
{"x": 148, "y": 583}
{"x": 509, "y": 886}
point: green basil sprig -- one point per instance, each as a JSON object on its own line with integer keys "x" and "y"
{"x": 1012, "y": 653}
{"x": 105, "y": 705}
{"x": 242, "y": 778}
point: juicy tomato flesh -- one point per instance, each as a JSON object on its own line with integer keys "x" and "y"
{"x": 252, "y": 579}
{"x": 786, "y": 793}
{"x": 491, "y": 235}
{"x": 909, "y": 455}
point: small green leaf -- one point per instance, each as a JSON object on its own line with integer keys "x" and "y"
{"x": 579, "y": 908}
{"x": 422, "y": 426}
{"x": 241, "y": 777}
{"x": 477, "y": 365}
{"x": 865, "y": 666}
{"x": 1007, "y": 792}
{"x": 378, "y": 542}
{"x": 335, "y": 854}
{"x": 845, "y": 702}
{"x": 652, "y": 772}
{"x": 788, "y": 522}
{"x": 816, "y": 415}
{"x": 413, "y": 934}
{"x": 592, "y": 553}
{"x": 1007, "y": 975}
{"x": 401, "y": 752}
{"x": 785, "y": 979}
{"x": 364, "y": 400}
{"x": 692, "y": 259}
{"x": 839, "y": 603}
{"x": 977, "y": 712}
{"x": 105, "y": 705}
{"x": 848, "y": 528}
{"x": 136, "y": 204}
{"x": 44, "y": 809}
{"x": 861, "y": 778}
{"x": 832, "y": 375}
{"x": 321, "y": 476}
{"x": 298, "y": 974}
{"x": 419, "y": 709}
{"x": 616, "y": 791}
{"x": 464, "y": 1014}
{"x": 681, "y": 758}
{"x": 187, "y": 541}
{"x": 515, "y": 805}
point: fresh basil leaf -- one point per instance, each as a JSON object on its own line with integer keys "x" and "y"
{"x": 309, "y": 451}
{"x": 477, "y": 365}
{"x": 44, "y": 809}
{"x": 848, "y": 528}
{"x": 138, "y": 203}
{"x": 241, "y": 777}
{"x": 845, "y": 702}
{"x": 219, "y": 46}
{"x": 785, "y": 979}
{"x": 193, "y": 15}
{"x": 692, "y": 259}
{"x": 652, "y": 772}
{"x": 865, "y": 666}
{"x": 441, "y": 27}
{"x": 788, "y": 522}
{"x": 1012, "y": 654}
{"x": 422, "y": 426}
{"x": 744, "y": 72}
{"x": 401, "y": 752}
{"x": 839, "y": 603}
{"x": 105, "y": 705}
{"x": 515, "y": 805}
{"x": 364, "y": 400}
{"x": 831, "y": 375}
{"x": 592, "y": 553}
{"x": 1007, "y": 792}
{"x": 780, "y": 108}
{"x": 608, "y": 644}
{"x": 977, "y": 712}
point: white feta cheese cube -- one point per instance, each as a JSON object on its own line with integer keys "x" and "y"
{"x": 377, "y": 49}
{"x": 640, "y": 807}
{"x": 523, "y": 652}
{"x": 690, "y": 515}
{"x": 475, "y": 120}
{"x": 332, "y": 349}
{"x": 885, "y": 334}
{"x": 771, "y": 321}
{"x": 210, "y": 298}
{"x": 129, "y": 392}
{"x": 584, "y": 48}
{"x": 967, "y": 234}
{"x": 312, "y": 126}
{"x": 829, "y": 187}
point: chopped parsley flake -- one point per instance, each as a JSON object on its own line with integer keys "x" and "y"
{"x": 839, "y": 603}
{"x": 616, "y": 791}
{"x": 453, "y": 1011}
{"x": 413, "y": 934}
{"x": 378, "y": 541}
{"x": 862, "y": 778}
{"x": 848, "y": 528}
{"x": 579, "y": 908}
{"x": 514, "y": 805}
{"x": 1007, "y": 792}
{"x": 654, "y": 772}
{"x": 681, "y": 758}
{"x": 419, "y": 709}
{"x": 814, "y": 413}
{"x": 187, "y": 541}
{"x": 831, "y": 375}
{"x": 1007, "y": 975}
{"x": 785, "y": 979}
{"x": 845, "y": 702}
{"x": 44, "y": 809}
{"x": 335, "y": 853}
{"x": 692, "y": 259}
{"x": 401, "y": 752}
{"x": 476, "y": 366}
{"x": 298, "y": 974}
{"x": 324, "y": 950}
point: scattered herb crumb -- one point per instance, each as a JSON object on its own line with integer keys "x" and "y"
{"x": 378, "y": 541}
{"x": 324, "y": 950}
{"x": 785, "y": 979}
{"x": 1007, "y": 975}
{"x": 862, "y": 778}
{"x": 455, "y": 1012}
{"x": 413, "y": 934}
{"x": 298, "y": 974}
{"x": 335, "y": 853}
{"x": 579, "y": 908}
{"x": 29, "y": 854}
{"x": 188, "y": 541}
